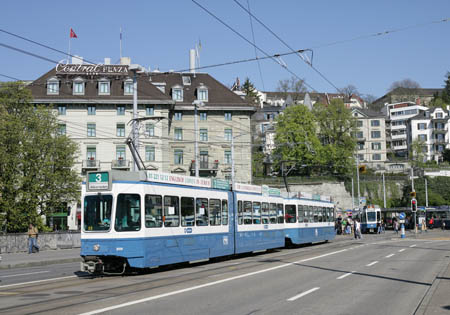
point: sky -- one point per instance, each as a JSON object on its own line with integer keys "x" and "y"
{"x": 159, "y": 34}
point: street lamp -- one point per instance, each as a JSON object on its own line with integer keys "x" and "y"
{"x": 196, "y": 104}
{"x": 135, "y": 69}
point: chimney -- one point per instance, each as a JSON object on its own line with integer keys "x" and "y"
{"x": 107, "y": 61}
{"x": 192, "y": 60}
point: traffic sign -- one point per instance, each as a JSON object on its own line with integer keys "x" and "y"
{"x": 402, "y": 216}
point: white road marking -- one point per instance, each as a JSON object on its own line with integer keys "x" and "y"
{"x": 401, "y": 250}
{"x": 23, "y": 274}
{"x": 414, "y": 245}
{"x": 303, "y": 294}
{"x": 389, "y": 256}
{"x": 345, "y": 275}
{"x": 371, "y": 264}
{"x": 37, "y": 281}
{"x": 155, "y": 297}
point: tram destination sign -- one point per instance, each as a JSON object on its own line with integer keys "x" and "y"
{"x": 98, "y": 181}
{"x": 178, "y": 179}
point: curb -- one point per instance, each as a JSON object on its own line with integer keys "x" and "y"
{"x": 39, "y": 263}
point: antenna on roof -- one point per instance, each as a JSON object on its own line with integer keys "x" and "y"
{"x": 121, "y": 42}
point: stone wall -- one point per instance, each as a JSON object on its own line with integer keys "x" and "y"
{"x": 18, "y": 242}
{"x": 337, "y": 191}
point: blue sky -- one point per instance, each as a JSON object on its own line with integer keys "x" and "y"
{"x": 159, "y": 34}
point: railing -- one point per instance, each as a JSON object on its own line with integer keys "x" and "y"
{"x": 205, "y": 165}
{"x": 120, "y": 163}
{"x": 91, "y": 163}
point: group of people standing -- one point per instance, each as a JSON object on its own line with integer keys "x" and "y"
{"x": 349, "y": 226}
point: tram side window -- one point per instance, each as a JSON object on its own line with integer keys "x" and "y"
{"x": 201, "y": 212}
{"x": 224, "y": 212}
{"x": 97, "y": 212}
{"x": 128, "y": 212}
{"x": 273, "y": 212}
{"x": 265, "y": 213}
{"x": 316, "y": 214}
{"x": 240, "y": 213}
{"x": 171, "y": 211}
{"x": 310, "y": 214}
{"x": 280, "y": 211}
{"x": 247, "y": 212}
{"x": 187, "y": 211}
{"x": 153, "y": 211}
{"x": 301, "y": 213}
{"x": 256, "y": 213}
{"x": 214, "y": 212}
{"x": 291, "y": 215}
{"x": 320, "y": 214}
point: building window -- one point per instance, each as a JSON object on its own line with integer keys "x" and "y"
{"x": 178, "y": 134}
{"x": 149, "y": 110}
{"x": 359, "y": 123}
{"x": 202, "y": 95}
{"x": 103, "y": 88}
{"x": 375, "y": 134}
{"x": 440, "y": 148}
{"x": 203, "y": 116}
{"x": 440, "y": 137}
{"x": 228, "y": 116}
{"x": 204, "y": 159}
{"x": 422, "y": 137}
{"x": 376, "y": 157}
{"x": 421, "y": 126}
{"x": 228, "y": 134}
{"x": 62, "y": 129}
{"x": 376, "y": 146}
{"x": 177, "y": 94}
{"x": 91, "y": 153}
{"x": 438, "y": 115}
{"x": 120, "y": 128}
{"x": 149, "y": 153}
{"x": 359, "y": 135}
{"x": 203, "y": 134}
{"x": 91, "y": 130}
{"x": 375, "y": 123}
{"x": 439, "y": 126}
{"x": 178, "y": 116}
{"x": 149, "y": 130}
{"x": 128, "y": 87}
{"x": 91, "y": 109}
{"x": 61, "y": 109}
{"x": 78, "y": 88}
{"x": 52, "y": 87}
{"x": 360, "y": 145}
{"x": 178, "y": 157}
{"x": 120, "y": 110}
{"x": 227, "y": 157}
{"x": 186, "y": 80}
{"x": 361, "y": 157}
{"x": 120, "y": 152}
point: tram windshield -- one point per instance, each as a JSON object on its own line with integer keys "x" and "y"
{"x": 97, "y": 213}
{"x": 371, "y": 216}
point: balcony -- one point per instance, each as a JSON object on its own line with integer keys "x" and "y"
{"x": 206, "y": 168}
{"x": 399, "y": 147}
{"x": 90, "y": 164}
{"x": 120, "y": 164}
{"x": 401, "y": 136}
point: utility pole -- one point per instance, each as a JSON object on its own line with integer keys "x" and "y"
{"x": 232, "y": 161}
{"x": 384, "y": 192}
{"x": 353, "y": 196}
{"x": 426, "y": 193}
{"x": 357, "y": 179}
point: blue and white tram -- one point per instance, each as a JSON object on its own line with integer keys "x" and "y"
{"x": 370, "y": 218}
{"x": 146, "y": 219}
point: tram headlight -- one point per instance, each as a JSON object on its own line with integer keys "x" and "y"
{"x": 96, "y": 247}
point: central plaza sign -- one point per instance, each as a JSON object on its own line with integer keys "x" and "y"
{"x": 91, "y": 69}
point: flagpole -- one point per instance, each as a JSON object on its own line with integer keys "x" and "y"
{"x": 68, "y": 56}
{"x": 121, "y": 42}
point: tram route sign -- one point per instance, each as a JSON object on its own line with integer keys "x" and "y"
{"x": 98, "y": 181}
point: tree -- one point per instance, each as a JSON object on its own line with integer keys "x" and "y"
{"x": 336, "y": 129}
{"x": 369, "y": 98}
{"x": 417, "y": 153}
{"x": 405, "y": 83}
{"x": 296, "y": 139}
{"x": 36, "y": 175}
{"x": 446, "y": 155}
{"x": 293, "y": 85}
{"x": 349, "y": 90}
{"x": 250, "y": 91}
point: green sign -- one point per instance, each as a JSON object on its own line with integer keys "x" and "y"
{"x": 221, "y": 184}
{"x": 274, "y": 192}
{"x": 98, "y": 181}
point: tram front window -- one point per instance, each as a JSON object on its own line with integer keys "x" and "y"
{"x": 97, "y": 213}
{"x": 371, "y": 216}
{"x": 128, "y": 213}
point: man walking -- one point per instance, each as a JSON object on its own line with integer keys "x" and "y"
{"x": 32, "y": 238}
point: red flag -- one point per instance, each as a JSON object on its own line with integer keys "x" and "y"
{"x": 72, "y": 34}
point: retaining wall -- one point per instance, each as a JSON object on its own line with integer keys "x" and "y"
{"x": 18, "y": 242}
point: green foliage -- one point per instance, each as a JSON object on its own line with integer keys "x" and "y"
{"x": 446, "y": 155}
{"x": 250, "y": 91}
{"x": 36, "y": 175}
{"x": 417, "y": 153}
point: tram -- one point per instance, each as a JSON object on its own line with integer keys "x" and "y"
{"x": 370, "y": 219}
{"x": 146, "y": 219}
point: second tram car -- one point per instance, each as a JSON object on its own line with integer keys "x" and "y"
{"x": 146, "y": 219}
{"x": 370, "y": 219}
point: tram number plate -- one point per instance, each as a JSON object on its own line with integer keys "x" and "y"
{"x": 188, "y": 230}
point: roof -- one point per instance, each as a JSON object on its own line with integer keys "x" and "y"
{"x": 369, "y": 113}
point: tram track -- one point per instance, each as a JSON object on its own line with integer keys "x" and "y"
{"x": 76, "y": 297}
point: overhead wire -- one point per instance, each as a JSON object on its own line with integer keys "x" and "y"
{"x": 254, "y": 42}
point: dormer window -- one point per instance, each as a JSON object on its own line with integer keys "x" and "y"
{"x": 186, "y": 80}
{"x": 53, "y": 86}
{"x": 161, "y": 86}
{"x": 103, "y": 87}
{"x": 128, "y": 87}
{"x": 78, "y": 87}
{"x": 177, "y": 93}
{"x": 202, "y": 94}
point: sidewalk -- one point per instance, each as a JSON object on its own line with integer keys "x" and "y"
{"x": 47, "y": 257}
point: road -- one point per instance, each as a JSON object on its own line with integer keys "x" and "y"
{"x": 376, "y": 275}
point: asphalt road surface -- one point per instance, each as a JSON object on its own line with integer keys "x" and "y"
{"x": 376, "y": 275}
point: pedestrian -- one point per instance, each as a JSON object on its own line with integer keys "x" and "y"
{"x": 358, "y": 229}
{"x": 32, "y": 238}
{"x": 379, "y": 227}
{"x": 443, "y": 224}
{"x": 396, "y": 227}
